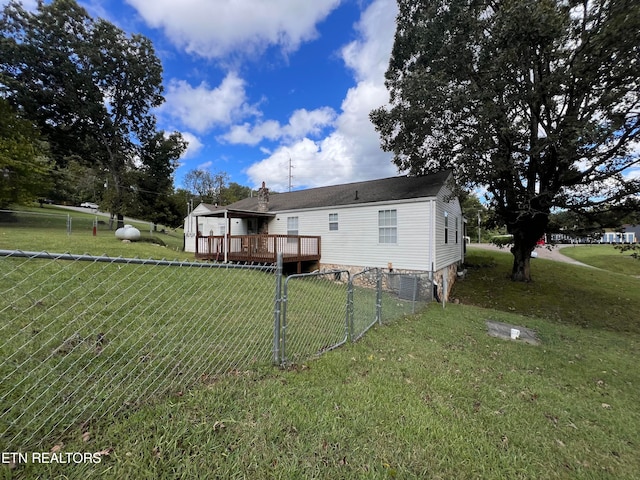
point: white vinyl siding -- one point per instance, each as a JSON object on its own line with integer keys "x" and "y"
{"x": 388, "y": 226}
{"x": 356, "y": 242}
{"x": 447, "y": 251}
{"x": 419, "y": 233}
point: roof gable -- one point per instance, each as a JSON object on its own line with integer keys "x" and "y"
{"x": 381, "y": 190}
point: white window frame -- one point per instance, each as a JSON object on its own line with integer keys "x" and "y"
{"x": 292, "y": 226}
{"x": 457, "y": 236}
{"x": 333, "y": 222}
{"x": 388, "y": 226}
{"x": 446, "y": 228}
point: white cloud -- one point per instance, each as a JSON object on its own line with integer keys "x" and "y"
{"x": 205, "y": 166}
{"x": 216, "y": 28}
{"x": 632, "y": 174}
{"x": 368, "y": 56}
{"x": 202, "y": 108}
{"x": 314, "y": 163}
{"x": 194, "y": 145}
{"x": 301, "y": 123}
{"x": 352, "y": 151}
{"x": 29, "y": 5}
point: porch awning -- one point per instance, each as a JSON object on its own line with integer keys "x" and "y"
{"x": 231, "y": 213}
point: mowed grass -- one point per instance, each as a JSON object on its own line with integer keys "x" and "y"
{"x": 45, "y": 229}
{"x": 426, "y": 396}
{"x": 606, "y": 257}
{"x": 83, "y": 340}
{"x": 431, "y": 396}
{"x": 570, "y": 294}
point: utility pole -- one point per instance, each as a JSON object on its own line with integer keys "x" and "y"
{"x": 478, "y": 226}
{"x": 290, "y": 174}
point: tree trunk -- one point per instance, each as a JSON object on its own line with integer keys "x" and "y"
{"x": 521, "y": 271}
{"x": 526, "y": 233}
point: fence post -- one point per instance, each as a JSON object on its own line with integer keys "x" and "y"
{"x": 277, "y": 311}
{"x": 414, "y": 298}
{"x": 68, "y": 224}
{"x": 444, "y": 289}
{"x": 349, "y": 318}
{"x": 379, "y": 295}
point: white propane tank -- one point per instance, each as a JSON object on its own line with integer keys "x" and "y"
{"x": 128, "y": 232}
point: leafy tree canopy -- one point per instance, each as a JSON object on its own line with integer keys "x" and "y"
{"x": 206, "y": 186}
{"x": 536, "y": 100}
{"x": 24, "y": 161}
{"x": 88, "y": 86}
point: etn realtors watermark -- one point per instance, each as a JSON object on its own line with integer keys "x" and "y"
{"x": 13, "y": 458}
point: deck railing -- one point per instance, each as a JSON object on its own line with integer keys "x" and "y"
{"x": 258, "y": 248}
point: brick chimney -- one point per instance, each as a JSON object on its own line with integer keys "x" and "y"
{"x": 263, "y": 198}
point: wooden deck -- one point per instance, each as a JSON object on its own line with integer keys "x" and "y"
{"x": 258, "y": 248}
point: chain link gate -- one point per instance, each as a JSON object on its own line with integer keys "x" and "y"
{"x": 315, "y": 315}
{"x": 317, "y": 312}
{"x": 366, "y": 301}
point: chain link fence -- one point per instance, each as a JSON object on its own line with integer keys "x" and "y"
{"x": 404, "y": 293}
{"x": 83, "y": 338}
{"x": 323, "y": 310}
{"x": 315, "y": 315}
{"x": 80, "y": 221}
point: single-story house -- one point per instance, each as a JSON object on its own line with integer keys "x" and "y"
{"x": 398, "y": 223}
{"x": 628, "y": 234}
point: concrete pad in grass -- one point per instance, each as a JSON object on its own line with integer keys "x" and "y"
{"x": 504, "y": 331}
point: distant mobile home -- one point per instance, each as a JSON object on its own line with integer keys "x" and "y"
{"x": 403, "y": 224}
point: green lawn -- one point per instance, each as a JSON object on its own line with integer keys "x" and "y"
{"x": 45, "y": 229}
{"x": 606, "y": 257}
{"x": 559, "y": 292}
{"x": 426, "y": 396}
{"x": 430, "y": 396}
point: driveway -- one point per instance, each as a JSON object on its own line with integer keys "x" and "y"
{"x": 98, "y": 213}
{"x": 548, "y": 252}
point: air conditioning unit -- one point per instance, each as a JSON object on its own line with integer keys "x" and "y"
{"x": 409, "y": 287}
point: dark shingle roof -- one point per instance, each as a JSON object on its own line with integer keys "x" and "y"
{"x": 384, "y": 189}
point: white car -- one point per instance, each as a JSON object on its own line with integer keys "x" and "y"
{"x": 89, "y": 205}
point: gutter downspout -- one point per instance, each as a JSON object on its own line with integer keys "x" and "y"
{"x": 432, "y": 247}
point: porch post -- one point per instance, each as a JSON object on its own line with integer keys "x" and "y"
{"x": 197, "y": 235}
{"x": 226, "y": 237}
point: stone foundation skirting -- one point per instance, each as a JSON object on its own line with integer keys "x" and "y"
{"x": 450, "y": 273}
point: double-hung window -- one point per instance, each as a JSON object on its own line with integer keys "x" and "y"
{"x": 457, "y": 230}
{"x": 292, "y": 225}
{"x": 387, "y": 226}
{"x": 333, "y": 222}
{"x": 446, "y": 227}
{"x": 292, "y": 229}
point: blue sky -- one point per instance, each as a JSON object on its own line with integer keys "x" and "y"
{"x": 253, "y": 83}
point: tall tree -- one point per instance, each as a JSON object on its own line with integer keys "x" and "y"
{"x": 159, "y": 157}
{"x": 24, "y": 163}
{"x": 476, "y": 215}
{"x": 535, "y": 99}
{"x": 88, "y": 85}
{"x": 234, "y": 192}
{"x": 207, "y": 186}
